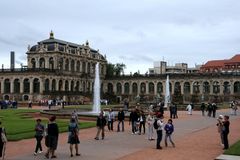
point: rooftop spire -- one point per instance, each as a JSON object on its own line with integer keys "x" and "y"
{"x": 51, "y": 35}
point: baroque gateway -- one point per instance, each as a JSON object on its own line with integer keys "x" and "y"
{"x": 62, "y": 70}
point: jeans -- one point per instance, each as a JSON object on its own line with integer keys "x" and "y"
{"x": 110, "y": 125}
{"x": 38, "y": 145}
{"x": 150, "y": 131}
{"x": 134, "y": 127}
{"x": 98, "y": 132}
{"x": 119, "y": 125}
{"x": 140, "y": 127}
{"x": 159, "y": 138}
{"x": 225, "y": 140}
{"x": 170, "y": 139}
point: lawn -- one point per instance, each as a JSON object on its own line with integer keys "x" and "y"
{"x": 19, "y": 125}
{"x": 234, "y": 149}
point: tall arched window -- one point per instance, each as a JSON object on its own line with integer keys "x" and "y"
{"x": 53, "y": 85}
{"x": 26, "y": 86}
{"x": 46, "y": 85}
{"x": 72, "y": 86}
{"x": 187, "y": 88}
{"x": 134, "y": 88}
{"x": 216, "y": 87}
{"x": 78, "y": 66}
{"x": 66, "y": 86}
{"x": 177, "y": 88}
{"x": 110, "y": 88}
{"x": 60, "y": 85}
{"x": 77, "y": 86}
{"x": 42, "y": 63}
{"x": 236, "y": 87}
{"x": 143, "y": 88}
{"x": 36, "y": 85}
{"x": 67, "y": 65}
{"x": 72, "y": 65}
{"x": 33, "y": 63}
{"x": 51, "y": 63}
{"x": 151, "y": 88}
{"x": 126, "y": 88}
{"x": 206, "y": 87}
{"x": 16, "y": 86}
{"x": 196, "y": 89}
{"x": 159, "y": 88}
{"x": 226, "y": 87}
{"x": 7, "y": 86}
{"x": 119, "y": 88}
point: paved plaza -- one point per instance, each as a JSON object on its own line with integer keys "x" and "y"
{"x": 196, "y": 138}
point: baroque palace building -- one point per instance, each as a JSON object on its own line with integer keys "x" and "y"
{"x": 57, "y": 69}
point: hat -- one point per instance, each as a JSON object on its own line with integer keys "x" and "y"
{"x": 220, "y": 116}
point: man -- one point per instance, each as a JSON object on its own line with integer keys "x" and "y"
{"x": 225, "y": 131}
{"x": 214, "y": 109}
{"x": 159, "y": 130}
{"x": 133, "y": 119}
{"x": 111, "y": 118}
{"x": 101, "y": 123}
{"x": 121, "y": 117}
{"x": 203, "y": 109}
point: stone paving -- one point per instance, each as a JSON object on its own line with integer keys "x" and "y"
{"x": 195, "y": 134}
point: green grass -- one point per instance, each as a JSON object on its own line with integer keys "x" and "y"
{"x": 19, "y": 125}
{"x": 234, "y": 149}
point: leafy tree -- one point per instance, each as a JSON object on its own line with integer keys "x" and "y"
{"x": 110, "y": 70}
{"x": 119, "y": 68}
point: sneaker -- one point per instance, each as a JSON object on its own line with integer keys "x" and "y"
{"x": 78, "y": 154}
{"x": 71, "y": 155}
{"x": 35, "y": 153}
{"x": 96, "y": 138}
{"x": 40, "y": 152}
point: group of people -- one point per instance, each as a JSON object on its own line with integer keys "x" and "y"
{"x": 210, "y": 108}
{"x": 234, "y": 108}
{"x": 5, "y": 104}
{"x": 51, "y": 134}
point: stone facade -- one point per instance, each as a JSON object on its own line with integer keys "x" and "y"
{"x": 56, "y": 69}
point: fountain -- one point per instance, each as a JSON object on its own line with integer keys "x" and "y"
{"x": 167, "y": 93}
{"x": 96, "y": 97}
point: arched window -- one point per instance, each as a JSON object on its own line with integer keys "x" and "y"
{"x": 216, "y": 87}
{"x": 159, "y": 88}
{"x": 66, "y": 86}
{"x": 110, "y": 88}
{"x": 26, "y": 86}
{"x": 36, "y": 86}
{"x": 84, "y": 67}
{"x": 119, "y": 88}
{"x": 60, "y": 85}
{"x": 196, "y": 89}
{"x": 60, "y": 64}
{"x": 72, "y": 65}
{"x": 47, "y": 85}
{"x": 16, "y": 86}
{"x": 88, "y": 67}
{"x": 33, "y": 63}
{"x": 126, "y": 88}
{"x": 42, "y": 63}
{"x": 51, "y": 63}
{"x": 206, "y": 88}
{"x": 236, "y": 87}
{"x": 84, "y": 87}
{"x": 78, "y": 66}
{"x": 77, "y": 86}
{"x": 151, "y": 88}
{"x": 72, "y": 86}
{"x": 134, "y": 88}
{"x": 226, "y": 87}
{"x": 187, "y": 88}
{"x": 67, "y": 65}
{"x": 177, "y": 88}
{"x": 143, "y": 88}
{"x": 7, "y": 86}
{"x": 53, "y": 85}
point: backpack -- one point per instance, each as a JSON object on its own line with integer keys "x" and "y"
{"x": 155, "y": 125}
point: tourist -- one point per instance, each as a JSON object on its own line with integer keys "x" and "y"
{"x": 225, "y": 131}
{"x": 101, "y": 123}
{"x": 189, "y": 109}
{"x": 49, "y": 104}
{"x": 234, "y": 108}
{"x": 39, "y": 129}
{"x": 150, "y": 120}
{"x": 209, "y": 109}
{"x": 73, "y": 139}
{"x": 174, "y": 110}
{"x": 75, "y": 116}
{"x": 52, "y": 137}
{"x": 142, "y": 121}
{"x": 133, "y": 120}
{"x": 159, "y": 130}
{"x": 169, "y": 128}
{"x": 121, "y": 117}
{"x": 111, "y": 119}
{"x": 29, "y": 104}
{"x": 171, "y": 110}
{"x": 203, "y": 107}
{"x": 214, "y": 109}
{"x": 3, "y": 141}
{"x": 161, "y": 107}
{"x": 220, "y": 128}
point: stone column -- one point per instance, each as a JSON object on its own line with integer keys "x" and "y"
{"x": 139, "y": 87}
{"x": 155, "y": 88}
{"x": 221, "y": 87}
{"x": 41, "y": 85}
{"x": 182, "y": 88}
{"x": 11, "y": 86}
{"x": 37, "y": 62}
{"x": 31, "y": 85}
{"x": 123, "y": 88}
{"x": 114, "y": 88}
{"x": 211, "y": 88}
{"x": 21, "y": 85}
{"x": 191, "y": 88}
{"x": 231, "y": 87}
{"x": 130, "y": 88}
{"x": 2, "y": 87}
{"x": 47, "y": 62}
{"x": 201, "y": 87}
{"x": 147, "y": 87}
{"x": 164, "y": 88}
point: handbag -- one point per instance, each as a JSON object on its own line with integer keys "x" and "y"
{"x": 3, "y": 136}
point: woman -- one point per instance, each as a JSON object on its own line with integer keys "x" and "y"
{"x": 2, "y": 141}
{"x": 52, "y": 137}
{"x": 39, "y": 129}
{"x": 220, "y": 128}
{"x": 150, "y": 121}
{"x": 73, "y": 136}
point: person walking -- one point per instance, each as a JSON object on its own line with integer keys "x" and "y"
{"x": 214, "y": 109}
{"x": 225, "y": 131}
{"x": 121, "y": 117}
{"x": 52, "y": 137}
{"x": 111, "y": 118}
{"x": 169, "y": 128}
{"x": 150, "y": 121}
{"x": 39, "y": 129}
{"x": 73, "y": 139}
{"x": 142, "y": 120}
{"x": 160, "y": 125}
{"x": 174, "y": 110}
{"x": 209, "y": 109}
{"x": 3, "y": 141}
{"x": 220, "y": 128}
{"x": 203, "y": 107}
{"x": 101, "y": 123}
{"x": 133, "y": 118}
{"x": 189, "y": 109}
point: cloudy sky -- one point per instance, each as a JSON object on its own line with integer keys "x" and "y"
{"x": 133, "y": 32}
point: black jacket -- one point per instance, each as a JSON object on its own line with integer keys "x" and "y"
{"x": 101, "y": 121}
{"x": 121, "y": 115}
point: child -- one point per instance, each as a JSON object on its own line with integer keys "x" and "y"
{"x": 169, "y": 128}
{"x": 220, "y": 128}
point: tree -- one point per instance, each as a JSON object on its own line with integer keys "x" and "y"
{"x": 110, "y": 70}
{"x": 119, "y": 69}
